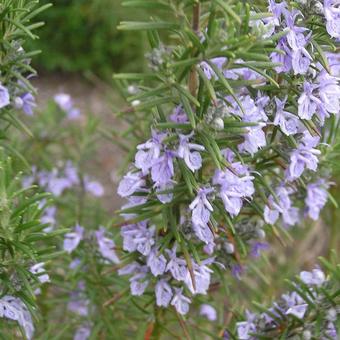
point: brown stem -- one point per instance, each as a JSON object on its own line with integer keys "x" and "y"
{"x": 196, "y": 18}
{"x": 193, "y": 78}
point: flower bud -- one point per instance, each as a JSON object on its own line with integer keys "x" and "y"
{"x": 229, "y": 248}
{"x": 135, "y": 103}
{"x": 306, "y": 335}
{"x": 261, "y": 234}
{"x": 217, "y": 124}
{"x": 18, "y": 102}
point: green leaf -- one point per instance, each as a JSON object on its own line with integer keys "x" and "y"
{"x": 139, "y": 25}
{"x": 228, "y": 10}
{"x": 188, "y": 110}
{"x": 146, "y": 4}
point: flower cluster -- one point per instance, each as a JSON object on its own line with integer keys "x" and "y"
{"x": 65, "y": 103}
{"x": 106, "y": 246}
{"x": 56, "y": 182}
{"x": 271, "y": 139}
{"x": 14, "y": 309}
{"x": 295, "y": 305}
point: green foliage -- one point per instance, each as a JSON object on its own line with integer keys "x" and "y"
{"x": 22, "y": 236}
{"x": 81, "y": 35}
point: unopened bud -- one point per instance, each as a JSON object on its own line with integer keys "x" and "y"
{"x": 229, "y": 248}
{"x": 217, "y": 124}
{"x": 261, "y": 234}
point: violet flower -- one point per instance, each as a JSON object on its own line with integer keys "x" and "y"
{"x": 83, "y": 332}
{"x": 305, "y": 156}
{"x": 4, "y": 96}
{"x": 72, "y": 239}
{"x": 192, "y": 159}
{"x": 201, "y": 207}
{"x": 180, "y": 302}
{"x": 106, "y": 246}
{"x": 131, "y": 182}
{"x": 149, "y": 152}
{"x": 162, "y": 169}
{"x": 163, "y": 293}
{"x": 316, "y": 198}
{"x": 314, "y": 278}
{"x": 39, "y": 271}
{"x": 288, "y": 122}
{"x": 138, "y": 282}
{"x": 177, "y": 266}
{"x": 245, "y": 328}
{"x": 281, "y": 205}
{"x": 232, "y": 188}
{"x": 26, "y": 102}
{"x": 138, "y": 237}
{"x": 308, "y": 102}
{"x": 65, "y": 103}
{"x": 208, "y": 311}
{"x": 332, "y": 15}
{"x": 14, "y": 309}
{"x": 179, "y": 115}
{"x": 201, "y": 274}
{"x": 95, "y": 188}
{"x": 156, "y": 262}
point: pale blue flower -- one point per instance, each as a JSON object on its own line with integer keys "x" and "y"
{"x": 190, "y": 152}
{"x": 149, "y": 152}
{"x": 14, "y": 309}
{"x": 314, "y": 278}
{"x": 163, "y": 293}
{"x": 4, "y": 96}
{"x": 316, "y": 198}
{"x": 156, "y": 262}
{"x": 180, "y": 302}
{"x": 106, "y": 246}
{"x": 131, "y": 182}
{"x": 72, "y": 239}
{"x": 208, "y": 311}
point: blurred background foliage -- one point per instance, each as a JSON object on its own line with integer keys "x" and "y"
{"x": 82, "y": 35}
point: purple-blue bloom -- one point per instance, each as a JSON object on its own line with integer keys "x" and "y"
{"x": 314, "y": 278}
{"x": 316, "y": 198}
{"x": 308, "y": 102}
{"x": 149, "y": 152}
{"x": 189, "y": 152}
{"x": 234, "y": 188}
{"x": 4, "y": 96}
{"x": 201, "y": 207}
{"x": 14, "y": 309}
{"x": 245, "y": 328}
{"x": 305, "y": 156}
{"x": 83, "y": 332}
{"x": 208, "y": 311}
{"x": 106, "y": 246}
{"x": 332, "y": 14}
{"x": 72, "y": 239}
{"x": 180, "y": 302}
{"x": 281, "y": 205}
{"x": 138, "y": 237}
{"x": 163, "y": 293}
{"x": 131, "y": 182}
{"x": 65, "y": 103}
{"x": 156, "y": 262}
{"x": 288, "y": 122}
{"x": 162, "y": 169}
{"x": 26, "y": 102}
{"x": 257, "y": 248}
{"x": 95, "y": 188}
{"x": 179, "y": 115}
{"x": 176, "y": 266}
{"x": 202, "y": 274}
